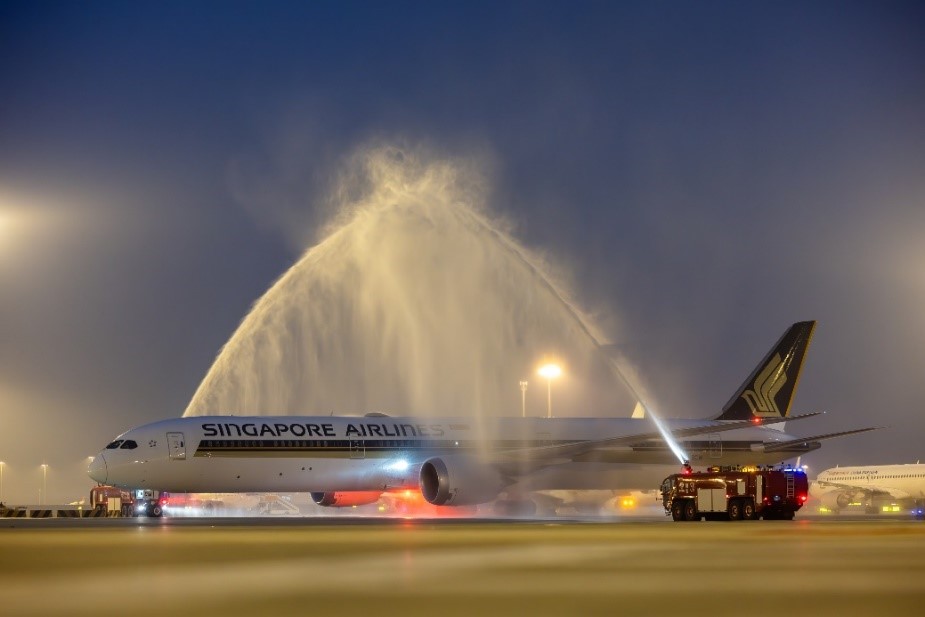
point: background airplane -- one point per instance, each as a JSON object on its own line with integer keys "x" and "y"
{"x": 872, "y": 486}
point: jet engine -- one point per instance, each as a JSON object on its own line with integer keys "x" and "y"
{"x": 457, "y": 481}
{"x": 345, "y": 499}
{"x": 836, "y": 500}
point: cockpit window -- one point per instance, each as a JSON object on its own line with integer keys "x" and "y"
{"x": 128, "y": 444}
{"x": 114, "y": 445}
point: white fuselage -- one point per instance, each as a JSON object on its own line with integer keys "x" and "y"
{"x": 290, "y": 453}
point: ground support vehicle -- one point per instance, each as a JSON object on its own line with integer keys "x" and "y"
{"x": 108, "y": 500}
{"x": 148, "y": 503}
{"x": 735, "y": 493}
{"x": 189, "y": 504}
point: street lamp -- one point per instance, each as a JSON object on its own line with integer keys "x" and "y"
{"x": 550, "y": 372}
{"x": 2, "y": 465}
{"x": 44, "y": 478}
{"x": 523, "y": 398}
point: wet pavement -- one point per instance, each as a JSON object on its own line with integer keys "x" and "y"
{"x": 460, "y": 567}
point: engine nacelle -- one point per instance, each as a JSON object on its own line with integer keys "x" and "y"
{"x": 458, "y": 481}
{"x": 836, "y": 500}
{"x": 345, "y": 499}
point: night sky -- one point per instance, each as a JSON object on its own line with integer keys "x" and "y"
{"x": 705, "y": 173}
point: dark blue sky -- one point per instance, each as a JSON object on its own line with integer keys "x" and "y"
{"x": 707, "y": 173}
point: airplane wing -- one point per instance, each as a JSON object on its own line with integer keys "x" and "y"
{"x": 774, "y": 446}
{"x": 564, "y": 452}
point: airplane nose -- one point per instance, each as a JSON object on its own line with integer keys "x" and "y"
{"x": 97, "y": 469}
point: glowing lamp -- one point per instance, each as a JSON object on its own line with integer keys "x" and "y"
{"x": 550, "y": 371}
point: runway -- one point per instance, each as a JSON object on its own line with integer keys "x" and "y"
{"x": 637, "y": 566}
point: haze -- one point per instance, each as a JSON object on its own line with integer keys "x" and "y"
{"x": 697, "y": 176}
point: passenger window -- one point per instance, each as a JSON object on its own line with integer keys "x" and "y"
{"x": 114, "y": 444}
{"x": 128, "y": 444}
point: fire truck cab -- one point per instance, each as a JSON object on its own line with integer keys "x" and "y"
{"x": 149, "y": 503}
{"x": 735, "y": 493}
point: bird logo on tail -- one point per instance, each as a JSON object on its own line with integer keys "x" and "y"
{"x": 761, "y": 399}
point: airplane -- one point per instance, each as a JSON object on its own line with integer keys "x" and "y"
{"x": 456, "y": 461}
{"x": 871, "y": 485}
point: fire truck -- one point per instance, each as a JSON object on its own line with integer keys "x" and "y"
{"x": 735, "y": 493}
{"x": 189, "y": 504}
{"x": 149, "y": 503}
{"x": 111, "y": 501}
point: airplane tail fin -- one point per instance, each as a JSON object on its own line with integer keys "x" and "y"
{"x": 639, "y": 411}
{"x": 768, "y": 391}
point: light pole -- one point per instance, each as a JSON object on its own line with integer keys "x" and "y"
{"x": 550, "y": 372}
{"x": 523, "y": 398}
{"x": 44, "y": 478}
{"x": 2, "y": 465}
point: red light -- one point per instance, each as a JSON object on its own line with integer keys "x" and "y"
{"x": 802, "y": 497}
{"x": 756, "y": 420}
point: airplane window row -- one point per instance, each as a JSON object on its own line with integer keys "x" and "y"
{"x": 370, "y": 444}
{"x": 271, "y": 443}
{"x": 890, "y": 477}
{"x": 320, "y": 443}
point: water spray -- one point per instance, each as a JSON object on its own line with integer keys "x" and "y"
{"x": 666, "y": 434}
{"x": 388, "y": 311}
{"x": 518, "y": 252}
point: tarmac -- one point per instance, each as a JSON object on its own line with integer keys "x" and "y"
{"x": 374, "y": 566}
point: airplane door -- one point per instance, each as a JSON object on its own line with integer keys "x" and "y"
{"x": 177, "y": 446}
{"x": 357, "y": 448}
{"x": 716, "y": 446}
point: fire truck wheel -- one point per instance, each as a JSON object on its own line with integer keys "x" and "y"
{"x": 690, "y": 511}
{"x": 734, "y": 510}
{"x": 677, "y": 510}
{"x": 156, "y": 511}
{"x": 748, "y": 511}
